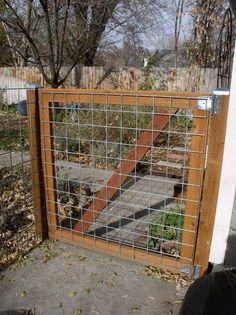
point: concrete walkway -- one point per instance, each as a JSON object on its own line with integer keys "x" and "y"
{"x": 9, "y": 159}
{"x": 61, "y": 279}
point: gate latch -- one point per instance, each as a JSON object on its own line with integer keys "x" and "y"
{"x": 212, "y": 104}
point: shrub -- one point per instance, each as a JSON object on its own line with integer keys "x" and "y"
{"x": 167, "y": 227}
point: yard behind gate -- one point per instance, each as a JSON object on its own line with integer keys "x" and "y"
{"x": 124, "y": 172}
{"x": 17, "y": 207}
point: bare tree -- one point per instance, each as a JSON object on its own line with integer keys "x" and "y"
{"x": 60, "y": 33}
{"x": 6, "y": 57}
{"x": 178, "y": 23}
{"x": 207, "y": 17}
{"x": 56, "y": 33}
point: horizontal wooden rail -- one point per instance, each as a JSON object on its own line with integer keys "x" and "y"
{"x": 125, "y": 98}
{"x": 118, "y": 250}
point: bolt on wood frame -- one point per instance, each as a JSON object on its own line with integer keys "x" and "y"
{"x": 168, "y": 103}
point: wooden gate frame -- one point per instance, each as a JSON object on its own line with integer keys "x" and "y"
{"x": 217, "y": 127}
{"x": 216, "y": 142}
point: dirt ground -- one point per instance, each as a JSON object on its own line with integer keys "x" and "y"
{"x": 58, "y": 278}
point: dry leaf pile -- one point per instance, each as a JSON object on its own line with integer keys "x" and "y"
{"x": 169, "y": 276}
{"x": 17, "y": 231}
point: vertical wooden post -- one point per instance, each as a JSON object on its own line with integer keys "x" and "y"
{"x": 48, "y": 161}
{"x": 211, "y": 185}
{"x": 36, "y": 162}
{"x": 194, "y": 184}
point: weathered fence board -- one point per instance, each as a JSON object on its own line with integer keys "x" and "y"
{"x": 185, "y": 79}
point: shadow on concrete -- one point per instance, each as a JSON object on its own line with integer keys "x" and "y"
{"x": 127, "y": 220}
{"x": 230, "y": 255}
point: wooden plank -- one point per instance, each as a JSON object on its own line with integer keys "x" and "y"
{"x": 211, "y": 185}
{"x": 126, "y": 92}
{"x": 127, "y": 165}
{"x": 118, "y": 250}
{"x": 48, "y": 162}
{"x": 194, "y": 184}
{"x": 36, "y": 164}
{"x": 127, "y": 98}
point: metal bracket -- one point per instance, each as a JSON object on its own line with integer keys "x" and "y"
{"x": 204, "y": 103}
{"x": 212, "y": 104}
{"x": 33, "y": 86}
{"x": 191, "y": 270}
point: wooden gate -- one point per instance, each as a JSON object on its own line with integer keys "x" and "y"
{"x": 134, "y": 174}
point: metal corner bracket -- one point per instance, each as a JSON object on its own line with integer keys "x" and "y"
{"x": 212, "y": 103}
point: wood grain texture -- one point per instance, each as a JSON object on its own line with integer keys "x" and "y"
{"x": 48, "y": 162}
{"x": 36, "y": 164}
{"x": 118, "y": 250}
{"x": 211, "y": 185}
{"x": 124, "y": 97}
{"x": 194, "y": 183}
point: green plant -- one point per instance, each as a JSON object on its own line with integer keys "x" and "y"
{"x": 148, "y": 79}
{"x": 7, "y": 108}
{"x": 181, "y": 122}
{"x": 167, "y": 227}
{"x": 13, "y": 139}
{"x": 14, "y": 133}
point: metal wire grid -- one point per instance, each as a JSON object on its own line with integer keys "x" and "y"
{"x": 148, "y": 211}
{"x": 17, "y": 221}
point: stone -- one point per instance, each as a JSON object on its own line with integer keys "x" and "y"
{"x": 168, "y": 246}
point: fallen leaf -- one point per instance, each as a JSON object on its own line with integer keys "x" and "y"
{"x": 136, "y": 309}
{"x": 82, "y": 258}
{"x": 72, "y": 294}
{"x": 23, "y": 294}
{"x": 88, "y": 291}
{"x": 178, "y": 287}
{"x": 77, "y": 312}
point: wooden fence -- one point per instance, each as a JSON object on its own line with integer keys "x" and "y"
{"x": 184, "y": 80}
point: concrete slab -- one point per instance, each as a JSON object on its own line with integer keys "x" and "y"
{"x": 8, "y": 159}
{"x": 92, "y": 176}
{"x": 128, "y": 217}
{"x": 58, "y": 279}
{"x": 139, "y": 201}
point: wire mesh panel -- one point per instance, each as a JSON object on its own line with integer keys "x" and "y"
{"x": 124, "y": 171}
{"x": 17, "y": 211}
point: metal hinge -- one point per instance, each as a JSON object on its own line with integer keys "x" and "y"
{"x": 213, "y": 103}
{"x": 191, "y": 270}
